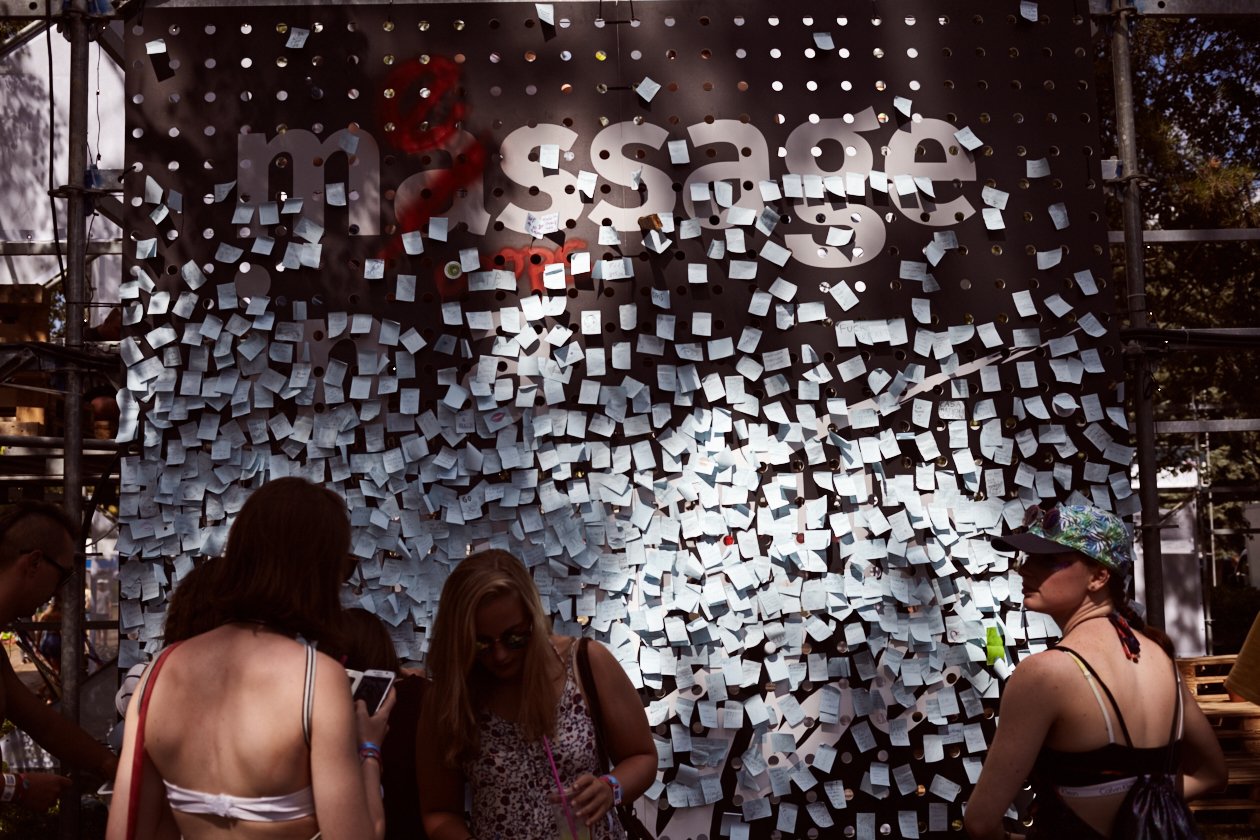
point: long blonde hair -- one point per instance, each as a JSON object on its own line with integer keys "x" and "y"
{"x": 450, "y": 707}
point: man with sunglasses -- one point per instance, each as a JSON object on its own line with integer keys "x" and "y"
{"x": 38, "y": 554}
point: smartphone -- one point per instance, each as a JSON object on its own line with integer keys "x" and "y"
{"x": 373, "y": 687}
{"x": 355, "y": 678}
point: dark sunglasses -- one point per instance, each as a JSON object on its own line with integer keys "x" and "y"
{"x": 511, "y": 640}
{"x": 63, "y": 572}
{"x": 1049, "y": 563}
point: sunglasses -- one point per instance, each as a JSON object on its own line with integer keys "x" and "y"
{"x": 1048, "y": 563}
{"x": 63, "y": 572}
{"x": 511, "y": 640}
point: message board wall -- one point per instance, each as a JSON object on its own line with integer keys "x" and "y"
{"x": 743, "y": 324}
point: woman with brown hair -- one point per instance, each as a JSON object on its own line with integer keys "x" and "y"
{"x": 506, "y": 714}
{"x": 247, "y": 732}
{"x": 1100, "y": 722}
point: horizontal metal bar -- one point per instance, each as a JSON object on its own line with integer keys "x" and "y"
{"x": 1181, "y": 8}
{"x": 48, "y": 248}
{"x": 1116, "y": 237}
{"x": 1167, "y": 427}
{"x": 38, "y": 10}
{"x": 36, "y": 442}
{"x": 100, "y": 624}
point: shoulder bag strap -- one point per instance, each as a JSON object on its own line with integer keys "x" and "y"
{"x": 587, "y": 680}
{"x": 137, "y": 755}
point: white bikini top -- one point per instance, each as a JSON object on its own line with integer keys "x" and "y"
{"x": 290, "y": 806}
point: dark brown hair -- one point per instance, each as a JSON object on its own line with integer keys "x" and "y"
{"x": 29, "y": 525}
{"x": 187, "y": 614}
{"x": 285, "y": 561}
{"x": 362, "y": 641}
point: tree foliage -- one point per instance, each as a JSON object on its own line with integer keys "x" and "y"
{"x": 1197, "y": 111}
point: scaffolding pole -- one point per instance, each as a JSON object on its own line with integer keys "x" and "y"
{"x": 1135, "y": 273}
{"x": 71, "y": 595}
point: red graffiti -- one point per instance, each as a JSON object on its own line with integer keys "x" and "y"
{"x": 521, "y": 260}
{"x": 433, "y": 87}
{"x": 432, "y": 123}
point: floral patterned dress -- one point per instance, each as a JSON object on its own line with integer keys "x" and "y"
{"x": 511, "y": 778}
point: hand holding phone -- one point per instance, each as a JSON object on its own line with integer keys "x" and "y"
{"x": 372, "y": 687}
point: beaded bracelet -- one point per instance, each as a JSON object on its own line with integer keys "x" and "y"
{"x": 369, "y": 750}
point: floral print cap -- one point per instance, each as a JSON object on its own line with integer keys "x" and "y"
{"x": 1098, "y": 534}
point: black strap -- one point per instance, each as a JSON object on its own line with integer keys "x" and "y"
{"x": 587, "y": 681}
{"x": 1110, "y": 697}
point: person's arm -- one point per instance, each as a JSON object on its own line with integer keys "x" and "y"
{"x": 347, "y": 791}
{"x": 154, "y": 817}
{"x": 627, "y": 737}
{"x": 441, "y": 788}
{"x": 51, "y": 731}
{"x": 1028, "y": 710}
{"x": 1202, "y": 762}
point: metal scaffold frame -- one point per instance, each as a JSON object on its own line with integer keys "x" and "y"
{"x": 82, "y": 22}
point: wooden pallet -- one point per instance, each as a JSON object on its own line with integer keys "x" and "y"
{"x": 1237, "y": 727}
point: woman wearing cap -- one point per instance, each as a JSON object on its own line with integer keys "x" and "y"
{"x": 1101, "y": 717}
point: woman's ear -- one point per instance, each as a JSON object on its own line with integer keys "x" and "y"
{"x": 28, "y": 561}
{"x": 1098, "y": 578}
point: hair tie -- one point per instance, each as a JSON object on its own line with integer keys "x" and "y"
{"x": 1128, "y": 639}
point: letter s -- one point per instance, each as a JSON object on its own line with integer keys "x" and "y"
{"x": 521, "y": 170}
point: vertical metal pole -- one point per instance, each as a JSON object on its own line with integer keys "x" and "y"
{"x": 71, "y": 596}
{"x": 1121, "y": 61}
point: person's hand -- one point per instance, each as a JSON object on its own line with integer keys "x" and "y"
{"x": 43, "y": 790}
{"x": 590, "y": 798}
{"x": 373, "y": 727}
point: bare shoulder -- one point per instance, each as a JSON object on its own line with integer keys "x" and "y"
{"x": 1041, "y": 671}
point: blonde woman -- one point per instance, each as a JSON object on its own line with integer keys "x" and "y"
{"x": 506, "y": 716}
{"x": 247, "y": 732}
{"x": 1100, "y": 723}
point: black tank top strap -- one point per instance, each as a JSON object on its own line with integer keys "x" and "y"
{"x": 1097, "y": 679}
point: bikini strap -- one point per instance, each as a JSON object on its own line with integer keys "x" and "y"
{"x": 144, "y": 692}
{"x": 1179, "y": 716}
{"x": 1091, "y": 677}
{"x": 308, "y": 694}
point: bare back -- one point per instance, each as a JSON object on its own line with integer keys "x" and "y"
{"x": 226, "y": 718}
{"x": 1145, "y": 693}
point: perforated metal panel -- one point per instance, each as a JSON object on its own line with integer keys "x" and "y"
{"x": 741, "y": 329}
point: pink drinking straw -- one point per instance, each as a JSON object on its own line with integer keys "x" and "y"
{"x": 564, "y": 800}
